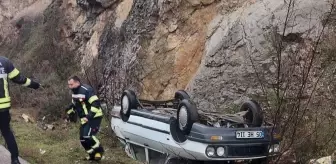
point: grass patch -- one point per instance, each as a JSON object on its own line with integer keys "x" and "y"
{"x": 62, "y": 145}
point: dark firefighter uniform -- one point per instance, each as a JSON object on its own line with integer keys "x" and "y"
{"x": 86, "y": 104}
{"x": 9, "y": 72}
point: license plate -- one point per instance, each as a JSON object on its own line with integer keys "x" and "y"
{"x": 249, "y": 134}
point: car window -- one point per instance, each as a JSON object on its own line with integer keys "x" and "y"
{"x": 139, "y": 152}
{"x": 156, "y": 157}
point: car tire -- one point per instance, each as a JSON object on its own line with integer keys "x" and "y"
{"x": 126, "y": 108}
{"x": 254, "y": 116}
{"x": 175, "y": 131}
{"x": 188, "y": 108}
{"x": 181, "y": 94}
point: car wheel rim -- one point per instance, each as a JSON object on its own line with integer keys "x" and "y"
{"x": 183, "y": 117}
{"x": 125, "y": 104}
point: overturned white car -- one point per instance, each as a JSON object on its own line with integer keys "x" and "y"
{"x": 175, "y": 131}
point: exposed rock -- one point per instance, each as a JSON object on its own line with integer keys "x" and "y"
{"x": 194, "y": 2}
{"x": 121, "y": 46}
{"x": 173, "y": 26}
{"x": 235, "y": 38}
{"x": 8, "y": 10}
{"x": 177, "y": 55}
{"x": 94, "y": 4}
{"x": 122, "y": 12}
{"x": 170, "y": 38}
{"x": 207, "y": 2}
{"x": 32, "y": 11}
{"x": 71, "y": 3}
{"x": 106, "y": 3}
{"x": 173, "y": 41}
{"x": 91, "y": 49}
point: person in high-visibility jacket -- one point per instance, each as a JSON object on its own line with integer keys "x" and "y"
{"x": 9, "y": 72}
{"x": 86, "y": 105}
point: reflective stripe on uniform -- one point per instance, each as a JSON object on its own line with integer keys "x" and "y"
{"x": 5, "y": 100}
{"x": 6, "y": 87}
{"x": 94, "y": 109}
{"x": 78, "y": 96}
{"x": 89, "y": 132}
{"x": 28, "y": 82}
{"x": 3, "y": 76}
{"x": 5, "y": 105}
{"x": 90, "y": 151}
{"x": 98, "y": 111}
{"x": 70, "y": 111}
{"x": 95, "y": 146}
{"x": 93, "y": 98}
{"x": 97, "y": 142}
{"x": 85, "y": 109}
{"x": 98, "y": 114}
{"x": 14, "y": 73}
{"x": 84, "y": 87}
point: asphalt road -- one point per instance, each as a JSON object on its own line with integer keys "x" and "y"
{"x": 5, "y": 156}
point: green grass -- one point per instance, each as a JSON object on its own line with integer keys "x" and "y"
{"x": 62, "y": 145}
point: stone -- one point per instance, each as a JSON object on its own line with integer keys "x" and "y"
{"x": 50, "y": 127}
{"x": 27, "y": 118}
{"x": 42, "y": 151}
{"x": 323, "y": 160}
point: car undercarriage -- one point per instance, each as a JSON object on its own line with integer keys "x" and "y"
{"x": 178, "y": 129}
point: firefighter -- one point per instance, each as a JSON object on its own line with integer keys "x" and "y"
{"x": 86, "y": 105}
{"x": 8, "y": 71}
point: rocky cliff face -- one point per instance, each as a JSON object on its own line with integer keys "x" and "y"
{"x": 164, "y": 43}
{"x": 238, "y": 54}
{"x": 211, "y": 48}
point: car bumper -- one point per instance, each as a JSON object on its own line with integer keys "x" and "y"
{"x": 235, "y": 148}
{"x": 197, "y": 151}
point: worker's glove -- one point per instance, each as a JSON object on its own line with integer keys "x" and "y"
{"x": 84, "y": 120}
{"x": 34, "y": 85}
